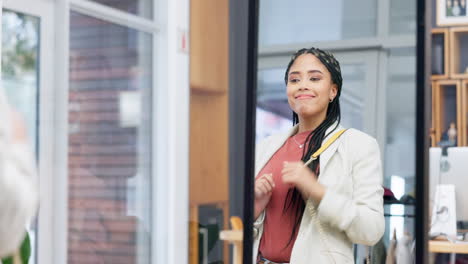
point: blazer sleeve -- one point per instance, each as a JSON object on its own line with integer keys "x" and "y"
{"x": 361, "y": 217}
{"x": 259, "y": 153}
{"x": 259, "y": 148}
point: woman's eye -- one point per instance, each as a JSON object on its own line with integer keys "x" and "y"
{"x": 314, "y": 79}
{"x": 294, "y": 80}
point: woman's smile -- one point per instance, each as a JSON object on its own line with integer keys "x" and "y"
{"x": 304, "y": 96}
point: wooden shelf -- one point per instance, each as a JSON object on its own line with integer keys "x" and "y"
{"x": 458, "y": 52}
{"x": 440, "y": 35}
{"x": 443, "y": 100}
{"x": 448, "y": 247}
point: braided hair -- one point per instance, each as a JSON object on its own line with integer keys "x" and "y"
{"x": 314, "y": 140}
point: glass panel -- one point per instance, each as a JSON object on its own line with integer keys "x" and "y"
{"x": 109, "y": 143}
{"x": 400, "y": 145}
{"x": 20, "y": 71}
{"x": 282, "y": 22}
{"x": 402, "y": 17}
{"x": 351, "y": 99}
{"x": 142, "y": 8}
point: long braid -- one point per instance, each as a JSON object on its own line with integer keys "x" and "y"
{"x": 314, "y": 140}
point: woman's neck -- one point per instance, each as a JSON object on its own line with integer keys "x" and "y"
{"x": 309, "y": 124}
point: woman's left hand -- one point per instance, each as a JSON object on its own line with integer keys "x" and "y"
{"x": 300, "y": 176}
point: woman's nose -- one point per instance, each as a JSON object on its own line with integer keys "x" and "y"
{"x": 303, "y": 87}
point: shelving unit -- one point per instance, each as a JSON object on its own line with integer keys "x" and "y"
{"x": 447, "y": 108}
{"x": 449, "y": 84}
{"x": 440, "y": 54}
{"x": 459, "y": 52}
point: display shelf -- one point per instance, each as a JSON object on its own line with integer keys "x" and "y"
{"x": 447, "y": 104}
{"x": 440, "y": 53}
{"x": 458, "y": 52}
{"x": 448, "y": 247}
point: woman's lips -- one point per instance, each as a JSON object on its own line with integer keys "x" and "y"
{"x": 304, "y": 96}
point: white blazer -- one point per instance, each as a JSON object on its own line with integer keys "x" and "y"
{"x": 351, "y": 210}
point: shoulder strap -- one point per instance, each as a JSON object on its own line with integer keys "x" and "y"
{"x": 325, "y": 146}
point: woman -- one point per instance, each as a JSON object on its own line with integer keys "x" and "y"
{"x": 314, "y": 212}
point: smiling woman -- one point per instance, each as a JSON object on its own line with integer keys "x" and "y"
{"x": 310, "y": 89}
{"x": 305, "y": 178}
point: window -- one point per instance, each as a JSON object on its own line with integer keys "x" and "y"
{"x": 109, "y": 146}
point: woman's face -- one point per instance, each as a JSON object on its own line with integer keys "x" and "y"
{"x": 310, "y": 87}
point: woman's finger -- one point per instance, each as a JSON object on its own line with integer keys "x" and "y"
{"x": 263, "y": 189}
{"x": 267, "y": 186}
{"x": 270, "y": 180}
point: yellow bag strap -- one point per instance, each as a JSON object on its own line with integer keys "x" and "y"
{"x": 325, "y": 146}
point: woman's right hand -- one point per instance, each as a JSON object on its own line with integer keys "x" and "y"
{"x": 263, "y": 190}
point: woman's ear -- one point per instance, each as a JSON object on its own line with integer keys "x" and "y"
{"x": 333, "y": 91}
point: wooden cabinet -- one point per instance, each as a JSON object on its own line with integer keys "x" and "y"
{"x": 209, "y": 46}
{"x": 447, "y": 109}
{"x": 209, "y": 121}
{"x": 440, "y": 53}
{"x": 449, "y": 84}
{"x": 459, "y": 52}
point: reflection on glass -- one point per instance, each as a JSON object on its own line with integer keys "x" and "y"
{"x": 20, "y": 48}
{"x": 400, "y": 145}
{"x": 109, "y": 143}
{"x": 305, "y": 21}
{"x": 142, "y": 8}
{"x": 20, "y": 62}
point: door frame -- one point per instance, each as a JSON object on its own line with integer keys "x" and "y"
{"x": 44, "y": 10}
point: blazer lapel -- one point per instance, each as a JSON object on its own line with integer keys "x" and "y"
{"x": 328, "y": 153}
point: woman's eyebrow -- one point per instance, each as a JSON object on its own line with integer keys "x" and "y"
{"x": 311, "y": 71}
